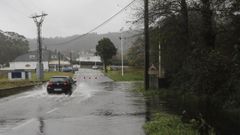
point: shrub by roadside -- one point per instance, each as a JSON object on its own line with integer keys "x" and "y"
{"x": 167, "y": 124}
{"x": 163, "y": 122}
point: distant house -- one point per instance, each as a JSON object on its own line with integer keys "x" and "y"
{"x": 29, "y": 61}
{"x": 89, "y": 59}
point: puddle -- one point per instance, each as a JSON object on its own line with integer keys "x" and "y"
{"x": 111, "y": 113}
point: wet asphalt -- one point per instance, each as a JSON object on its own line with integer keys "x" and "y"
{"x": 98, "y": 106}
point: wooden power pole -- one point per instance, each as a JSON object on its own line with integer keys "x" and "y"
{"x": 38, "y": 19}
{"x": 146, "y": 31}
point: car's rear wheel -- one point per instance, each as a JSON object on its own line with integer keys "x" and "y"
{"x": 69, "y": 92}
{"x": 49, "y": 92}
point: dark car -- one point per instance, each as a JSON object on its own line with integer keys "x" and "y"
{"x": 67, "y": 69}
{"x": 61, "y": 84}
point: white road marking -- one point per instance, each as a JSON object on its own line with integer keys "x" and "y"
{"x": 23, "y": 124}
{"x": 53, "y": 110}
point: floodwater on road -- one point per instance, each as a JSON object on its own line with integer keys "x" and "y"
{"x": 98, "y": 106}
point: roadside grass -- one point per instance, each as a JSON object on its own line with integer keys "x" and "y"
{"x": 167, "y": 124}
{"x": 162, "y": 122}
{"x": 130, "y": 74}
{"x": 7, "y": 84}
{"x": 48, "y": 75}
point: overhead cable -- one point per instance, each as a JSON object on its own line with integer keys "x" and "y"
{"x": 97, "y": 27}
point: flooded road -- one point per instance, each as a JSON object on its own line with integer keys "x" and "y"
{"x": 98, "y": 106}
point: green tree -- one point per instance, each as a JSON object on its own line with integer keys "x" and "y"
{"x": 106, "y": 50}
{"x": 135, "y": 55}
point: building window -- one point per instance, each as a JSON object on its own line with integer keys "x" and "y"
{"x": 54, "y": 57}
{"x": 32, "y": 56}
{"x": 27, "y": 65}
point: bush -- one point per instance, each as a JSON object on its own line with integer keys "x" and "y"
{"x": 166, "y": 124}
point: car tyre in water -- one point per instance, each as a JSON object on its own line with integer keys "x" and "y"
{"x": 69, "y": 92}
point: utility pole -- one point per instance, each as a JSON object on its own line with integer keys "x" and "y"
{"x": 146, "y": 31}
{"x": 70, "y": 55}
{"x": 121, "y": 39}
{"x": 161, "y": 70}
{"x": 59, "y": 61}
{"x": 71, "y": 60}
{"x": 79, "y": 59}
{"x": 38, "y": 19}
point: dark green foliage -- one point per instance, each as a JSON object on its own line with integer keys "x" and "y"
{"x": 200, "y": 46}
{"x": 173, "y": 46}
{"x": 106, "y": 50}
{"x": 206, "y": 74}
{"x": 200, "y": 51}
{"x": 12, "y": 46}
{"x": 135, "y": 55}
{"x": 166, "y": 124}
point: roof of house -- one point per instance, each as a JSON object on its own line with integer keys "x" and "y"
{"x": 47, "y": 55}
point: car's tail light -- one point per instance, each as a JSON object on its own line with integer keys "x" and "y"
{"x": 65, "y": 83}
{"x": 50, "y": 84}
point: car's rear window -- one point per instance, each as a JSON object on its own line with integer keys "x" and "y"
{"x": 58, "y": 79}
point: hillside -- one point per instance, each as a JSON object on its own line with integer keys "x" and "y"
{"x": 11, "y": 45}
{"x": 85, "y": 43}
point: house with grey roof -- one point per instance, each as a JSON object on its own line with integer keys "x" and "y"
{"x": 29, "y": 61}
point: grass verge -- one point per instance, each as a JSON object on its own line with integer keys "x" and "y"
{"x": 167, "y": 124}
{"x": 7, "y": 84}
{"x": 48, "y": 75}
{"x": 130, "y": 74}
{"x": 162, "y": 122}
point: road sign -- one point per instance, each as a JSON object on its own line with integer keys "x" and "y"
{"x": 152, "y": 70}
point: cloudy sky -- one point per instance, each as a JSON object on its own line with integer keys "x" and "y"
{"x": 65, "y": 17}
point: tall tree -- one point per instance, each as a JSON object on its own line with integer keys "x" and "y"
{"x": 106, "y": 50}
{"x": 135, "y": 55}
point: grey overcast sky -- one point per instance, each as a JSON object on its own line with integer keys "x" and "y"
{"x": 65, "y": 17}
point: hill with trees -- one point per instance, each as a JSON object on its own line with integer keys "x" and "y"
{"x": 12, "y": 45}
{"x": 85, "y": 43}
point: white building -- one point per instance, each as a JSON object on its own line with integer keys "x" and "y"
{"x": 29, "y": 61}
{"x": 89, "y": 59}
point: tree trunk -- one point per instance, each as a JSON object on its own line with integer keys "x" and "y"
{"x": 105, "y": 67}
{"x": 185, "y": 22}
{"x": 207, "y": 28}
{"x": 185, "y": 29}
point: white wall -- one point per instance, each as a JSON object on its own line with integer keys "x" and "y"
{"x": 89, "y": 59}
{"x": 27, "y": 65}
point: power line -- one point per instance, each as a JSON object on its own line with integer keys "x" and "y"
{"x": 97, "y": 27}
